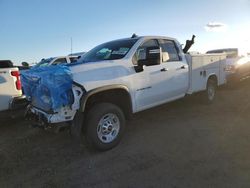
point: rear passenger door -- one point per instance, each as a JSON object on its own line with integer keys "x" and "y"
{"x": 176, "y": 66}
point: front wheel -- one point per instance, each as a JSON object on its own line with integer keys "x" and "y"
{"x": 105, "y": 126}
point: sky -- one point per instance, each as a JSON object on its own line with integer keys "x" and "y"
{"x": 34, "y": 29}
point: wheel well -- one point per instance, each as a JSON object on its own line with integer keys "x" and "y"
{"x": 214, "y": 78}
{"x": 119, "y": 97}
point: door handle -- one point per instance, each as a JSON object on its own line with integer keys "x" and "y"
{"x": 164, "y": 70}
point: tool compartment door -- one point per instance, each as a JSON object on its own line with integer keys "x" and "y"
{"x": 197, "y": 78}
{"x": 203, "y": 66}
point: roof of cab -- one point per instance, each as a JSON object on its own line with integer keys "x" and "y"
{"x": 145, "y": 37}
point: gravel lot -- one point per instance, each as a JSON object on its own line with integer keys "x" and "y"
{"x": 181, "y": 144}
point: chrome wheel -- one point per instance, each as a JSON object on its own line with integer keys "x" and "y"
{"x": 108, "y": 128}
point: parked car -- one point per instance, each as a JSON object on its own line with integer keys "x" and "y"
{"x": 237, "y": 68}
{"x": 117, "y": 79}
{"x": 78, "y": 54}
{"x": 57, "y": 61}
{"x": 11, "y": 96}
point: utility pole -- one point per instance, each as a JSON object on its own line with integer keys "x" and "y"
{"x": 71, "y": 44}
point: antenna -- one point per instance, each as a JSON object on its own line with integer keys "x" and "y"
{"x": 71, "y": 44}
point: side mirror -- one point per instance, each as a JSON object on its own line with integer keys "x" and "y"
{"x": 153, "y": 57}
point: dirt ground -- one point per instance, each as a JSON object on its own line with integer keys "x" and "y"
{"x": 182, "y": 144}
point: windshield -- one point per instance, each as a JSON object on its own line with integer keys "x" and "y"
{"x": 109, "y": 51}
{"x": 44, "y": 62}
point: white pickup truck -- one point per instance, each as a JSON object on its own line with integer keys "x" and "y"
{"x": 122, "y": 77}
{"x": 57, "y": 60}
{"x": 11, "y": 97}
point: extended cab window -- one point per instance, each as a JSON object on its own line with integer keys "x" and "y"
{"x": 109, "y": 51}
{"x": 169, "y": 47}
{"x": 141, "y": 51}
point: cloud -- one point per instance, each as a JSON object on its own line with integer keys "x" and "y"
{"x": 216, "y": 27}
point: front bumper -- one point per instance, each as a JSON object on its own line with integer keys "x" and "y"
{"x": 44, "y": 120}
{"x": 65, "y": 114}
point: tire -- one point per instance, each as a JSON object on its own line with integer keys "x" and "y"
{"x": 105, "y": 126}
{"x": 209, "y": 94}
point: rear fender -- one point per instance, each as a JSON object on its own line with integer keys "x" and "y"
{"x": 213, "y": 76}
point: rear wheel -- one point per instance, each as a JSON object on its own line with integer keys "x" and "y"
{"x": 210, "y": 92}
{"x": 105, "y": 126}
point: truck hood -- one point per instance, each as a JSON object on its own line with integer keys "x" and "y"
{"x": 93, "y": 74}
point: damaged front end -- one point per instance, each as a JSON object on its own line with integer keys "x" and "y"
{"x": 54, "y": 96}
{"x": 63, "y": 114}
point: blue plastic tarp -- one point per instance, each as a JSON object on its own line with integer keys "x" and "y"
{"x": 48, "y": 88}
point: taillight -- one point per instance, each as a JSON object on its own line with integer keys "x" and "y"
{"x": 18, "y": 81}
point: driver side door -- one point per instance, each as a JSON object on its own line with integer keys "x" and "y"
{"x": 153, "y": 86}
